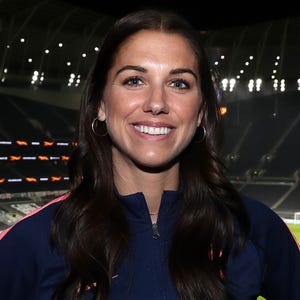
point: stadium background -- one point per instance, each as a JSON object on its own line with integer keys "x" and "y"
{"x": 47, "y": 48}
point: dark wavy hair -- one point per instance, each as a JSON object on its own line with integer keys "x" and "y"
{"x": 89, "y": 226}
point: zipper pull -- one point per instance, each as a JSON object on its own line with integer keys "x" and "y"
{"x": 155, "y": 231}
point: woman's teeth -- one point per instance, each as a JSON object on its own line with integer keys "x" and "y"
{"x": 152, "y": 130}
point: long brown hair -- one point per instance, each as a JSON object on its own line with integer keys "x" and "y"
{"x": 211, "y": 206}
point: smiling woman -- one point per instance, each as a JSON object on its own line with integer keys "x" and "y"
{"x": 150, "y": 213}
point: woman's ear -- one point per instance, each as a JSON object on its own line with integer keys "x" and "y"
{"x": 101, "y": 112}
{"x": 200, "y": 115}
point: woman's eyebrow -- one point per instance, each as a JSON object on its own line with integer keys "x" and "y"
{"x": 183, "y": 70}
{"x": 131, "y": 67}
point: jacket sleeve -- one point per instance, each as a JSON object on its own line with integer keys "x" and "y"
{"x": 278, "y": 252}
{"x": 30, "y": 268}
{"x": 269, "y": 263}
{"x": 281, "y": 277}
{"x": 18, "y": 264}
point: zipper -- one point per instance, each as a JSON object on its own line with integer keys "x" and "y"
{"x": 155, "y": 233}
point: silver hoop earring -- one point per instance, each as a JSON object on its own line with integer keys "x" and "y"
{"x": 95, "y": 127}
{"x": 201, "y": 136}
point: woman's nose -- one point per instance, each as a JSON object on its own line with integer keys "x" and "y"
{"x": 156, "y": 102}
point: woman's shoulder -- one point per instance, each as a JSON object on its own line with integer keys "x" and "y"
{"x": 27, "y": 256}
{"x": 259, "y": 211}
{"x": 267, "y": 228}
{"x": 269, "y": 254}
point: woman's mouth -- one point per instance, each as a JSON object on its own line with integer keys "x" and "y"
{"x": 153, "y": 130}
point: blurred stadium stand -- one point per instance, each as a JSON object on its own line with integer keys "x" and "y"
{"x": 262, "y": 149}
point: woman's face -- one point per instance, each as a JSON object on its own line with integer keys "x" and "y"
{"x": 151, "y": 101}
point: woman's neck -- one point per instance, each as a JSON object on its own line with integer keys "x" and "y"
{"x": 151, "y": 184}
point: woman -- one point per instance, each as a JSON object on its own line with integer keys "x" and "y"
{"x": 150, "y": 213}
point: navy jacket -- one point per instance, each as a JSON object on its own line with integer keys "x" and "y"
{"x": 269, "y": 265}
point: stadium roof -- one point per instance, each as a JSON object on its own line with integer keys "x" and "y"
{"x": 52, "y": 43}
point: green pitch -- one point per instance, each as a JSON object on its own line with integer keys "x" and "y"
{"x": 295, "y": 228}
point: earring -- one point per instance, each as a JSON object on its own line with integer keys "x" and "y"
{"x": 95, "y": 126}
{"x": 199, "y": 135}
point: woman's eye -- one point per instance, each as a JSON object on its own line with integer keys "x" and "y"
{"x": 180, "y": 84}
{"x": 133, "y": 81}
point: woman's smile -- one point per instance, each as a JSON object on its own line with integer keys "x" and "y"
{"x": 152, "y": 130}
